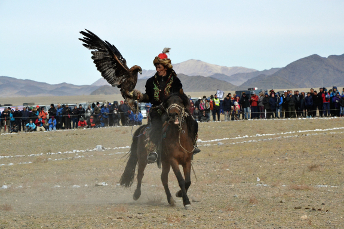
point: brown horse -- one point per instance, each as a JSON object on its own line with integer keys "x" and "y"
{"x": 177, "y": 147}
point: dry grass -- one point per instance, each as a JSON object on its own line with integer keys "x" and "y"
{"x": 119, "y": 208}
{"x": 301, "y": 187}
{"x": 6, "y": 207}
{"x": 253, "y": 200}
{"x": 314, "y": 167}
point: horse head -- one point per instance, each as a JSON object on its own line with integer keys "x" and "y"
{"x": 177, "y": 107}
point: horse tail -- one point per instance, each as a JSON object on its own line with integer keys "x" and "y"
{"x": 128, "y": 175}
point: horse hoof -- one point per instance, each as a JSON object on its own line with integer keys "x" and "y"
{"x": 179, "y": 193}
{"x": 188, "y": 207}
{"x": 172, "y": 202}
{"x": 137, "y": 194}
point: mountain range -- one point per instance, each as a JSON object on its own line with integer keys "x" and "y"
{"x": 196, "y": 75}
{"x": 12, "y": 87}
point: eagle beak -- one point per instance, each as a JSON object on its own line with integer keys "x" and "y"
{"x": 140, "y": 72}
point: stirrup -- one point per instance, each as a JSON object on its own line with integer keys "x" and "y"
{"x": 152, "y": 157}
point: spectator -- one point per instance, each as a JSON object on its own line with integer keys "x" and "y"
{"x": 43, "y": 115}
{"x": 261, "y": 105}
{"x": 96, "y": 112}
{"x": 82, "y": 123}
{"x": 67, "y": 117}
{"x": 59, "y": 115}
{"x": 92, "y": 122}
{"x": 204, "y": 117}
{"x": 52, "y": 123}
{"x": 326, "y": 103}
{"x": 266, "y": 102}
{"x": 104, "y": 116}
{"x": 273, "y": 105}
{"x": 196, "y": 114}
{"x": 341, "y": 103}
{"x": 192, "y": 107}
{"x": 52, "y": 111}
{"x": 39, "y": 124}
{"x": 245, "y": 105}
{"x": 147, "y": 107}
{"x": 17, "y": 118}
{"x": 279, "y": 103}
{"x": 25, "y": 117}
{"x": 88, "y": 112}
{"x": 116, "y": 114}
{"x": 309, "y": 104}
{"x": 291, "y": 105}
{"x": 138, "y": 118}
{"x": 226, "y": 106}
{"x": 284, "y": 105}
{"x": 81, "y": 111}
{"x": 123, "y": 109}
{"x": 111, "y": 110}
{"x": 303, "y": 112}
{"x": 75, "y": 117}
{"x": 336, "y": 104}
{"x": 207, "y": 108}
{"x": 216, "y": 108}
{"x": 30, "y": 126}
{"x": 320, "y": 101}
{"x": 211, "y": 103}
{"x": 236, "y": 110}
{"x": 201, "y": 105}
{"x": 298, "y": 108}
{"x": 254, "y": 106}
{"x": 12, "y": 119}
{"x": 14, "y": 128}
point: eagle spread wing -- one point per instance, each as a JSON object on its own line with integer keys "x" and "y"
{"x": 111, "y": 64}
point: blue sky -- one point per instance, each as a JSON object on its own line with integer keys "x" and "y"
{"x": 39, "y": 39}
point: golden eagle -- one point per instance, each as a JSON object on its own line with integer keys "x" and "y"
{"x": 111, "y": 64}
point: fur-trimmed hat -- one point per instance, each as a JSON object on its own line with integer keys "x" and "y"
{"x": 163, "y": 59}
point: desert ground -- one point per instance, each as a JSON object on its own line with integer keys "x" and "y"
{"x": 282, "y": 173}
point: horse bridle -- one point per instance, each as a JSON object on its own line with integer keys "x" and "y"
{"x": 182, "y": 115}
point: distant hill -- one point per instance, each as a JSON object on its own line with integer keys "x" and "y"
{"x": 193, "y": 68}
{"x": 267, "y": 82}
{"x": 200, "y": 68}
{"x": 190, "y": 84}
{"x": 311, "y": 71}
{"x": 12, "y": 87}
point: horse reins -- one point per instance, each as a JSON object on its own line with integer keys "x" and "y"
{"x": 183, "y": 114}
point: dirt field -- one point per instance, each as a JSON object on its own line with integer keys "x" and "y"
{"x": 250, "y": 174}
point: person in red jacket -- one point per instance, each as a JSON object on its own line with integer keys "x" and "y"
{"x": 326, "y": 102}
{"x": 82, "y": 123}
{"x": 254, "y": 105}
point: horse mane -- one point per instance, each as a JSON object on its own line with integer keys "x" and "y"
{"x": 183, "y": 97}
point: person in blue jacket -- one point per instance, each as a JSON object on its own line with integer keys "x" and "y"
{"x": 30, "y": 126}
{"x": 52, "y": 123}
{"x": 138, "y": 118}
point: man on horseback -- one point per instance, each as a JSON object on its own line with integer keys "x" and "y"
{"x": 158, "y": 87}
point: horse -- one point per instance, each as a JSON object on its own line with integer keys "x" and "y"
{"x": 178, "y": 138}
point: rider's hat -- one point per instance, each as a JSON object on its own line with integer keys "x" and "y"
{"x": 163, "y": 59}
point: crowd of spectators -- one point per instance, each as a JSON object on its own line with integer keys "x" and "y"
{"x": 270, "y": 104}
{"x": 65, "y": 117}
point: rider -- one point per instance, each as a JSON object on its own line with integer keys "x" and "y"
{"x": 158, "y": 87}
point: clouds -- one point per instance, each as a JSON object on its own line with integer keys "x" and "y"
{"x": 39, "y": 38}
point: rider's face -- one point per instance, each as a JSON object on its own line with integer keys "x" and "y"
{"x": 161, "y": 70}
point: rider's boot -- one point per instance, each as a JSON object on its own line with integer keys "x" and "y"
{"x": 152, "y": 156}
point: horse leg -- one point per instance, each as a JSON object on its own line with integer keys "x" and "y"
{"x": 187, "y": 175}
{"x": 181, "y": 182}
{"x": 142, "y": 162}
{"x": 164, "y": 179}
